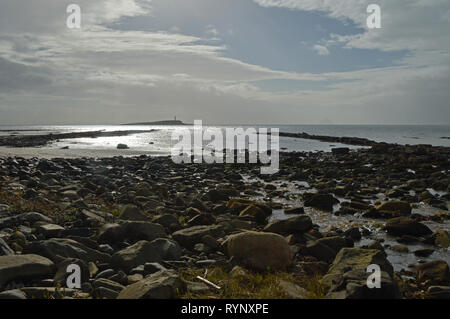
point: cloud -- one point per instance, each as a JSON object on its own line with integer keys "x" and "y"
{"x": 321, "y": 50}
{"x": 103, "y": 73}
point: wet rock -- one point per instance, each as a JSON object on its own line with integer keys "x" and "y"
{"x": 122, "y": 147}
{"x": 353, "y": 285}
{"x": 355, "y": 259}
{"x": 259, "y": 251}
{"x": 400, "y": 248}
{"x": 294, "y": 225}
{"x": 406, "y": 226}
{"x": 437, "y": 272}
{"x": 354, "y": 233}
{"x": 255, "y": 213}
{"x": 399, "y": 208}
{"x": 326, "y": 249}
{"x": 323, "y": 202}
{"x": 294, "y": 211}
{"x": 442, "y": 238}
{"x": 423, "y": 252}
{"x": 29, "y": 266}
{"x": 160, "y": 285}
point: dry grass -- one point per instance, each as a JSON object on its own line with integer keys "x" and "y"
{"x": 250, "y": 285}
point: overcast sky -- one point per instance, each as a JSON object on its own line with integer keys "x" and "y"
{"x": 225, "y": 61}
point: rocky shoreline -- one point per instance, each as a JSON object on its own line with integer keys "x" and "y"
{"x": 145, "y": 227}
{"x": 44, "y": 139}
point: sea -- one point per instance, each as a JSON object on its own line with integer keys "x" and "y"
{"x": 160, "y": 140}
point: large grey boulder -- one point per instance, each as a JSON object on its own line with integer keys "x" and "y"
{"x": 406, "y": 226}
{"x": 294, "y": 225}
{"x": 160, "y": 285}
{"x": 143, "y": 252}
{"x": 188, "y": 237}
{"x": 259, "y": 250}
{"x": 67, "y": 248}
{"x": 347, "y": 276}
{"x": 134, "y": 231}
{"x": 18, "y": 267}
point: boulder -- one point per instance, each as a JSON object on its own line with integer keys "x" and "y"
{"x": 294, "y": 211}
{"x": 166, "y": 220}
{"x": 255, "y": 213}
{"x": 56, "y": 248}
{"x": 160, "y": 285}
{"x": 259, "y": 250}
{"x": 442, "y": 238}
{"x": 113, "y": 233}
{"x": 132, "y": 212}
{"x": 49, "y": 230}
{"x": 144, "y": 251}
{"x": 29, "y": 266}
{"x": 406, "y": 226}
{"x": 325, "y": 249}
{"x": 437, "y": 272}
{"x": 5, "y": 250}
{"x": 323, "y": 202}
{"x": 188, "y": 237}
{"x": 135, "y": 255}
{"x": 122, "y": 147}
{"x": 202, "y": 219}
{"x": 353, "y": 285}
{"x": 62, "y": 274}
{"x": 340, "y": 150}
{"x": 355, "y": 259}
{"x": 294, "y": 225}
{"x": 399, "y": 207}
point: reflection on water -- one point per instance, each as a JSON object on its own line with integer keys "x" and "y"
{"x": 160, "y": 141}
{"x": 327, "y": 221}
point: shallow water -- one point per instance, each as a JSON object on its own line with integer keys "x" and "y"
{"x": 160, "y": 141}
{"x": 399, "y": 260}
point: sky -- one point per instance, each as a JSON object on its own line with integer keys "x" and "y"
{"x": 225, "y": 62}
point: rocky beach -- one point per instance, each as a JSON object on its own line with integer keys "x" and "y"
{"x": 144, "y": 227}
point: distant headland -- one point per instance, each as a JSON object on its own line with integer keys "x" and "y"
{"x": 166, "y": 122}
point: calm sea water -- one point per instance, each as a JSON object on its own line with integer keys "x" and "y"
{"x": 159, "y": 142}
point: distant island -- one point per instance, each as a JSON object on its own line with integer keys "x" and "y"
{"x": 166, "y": 122}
